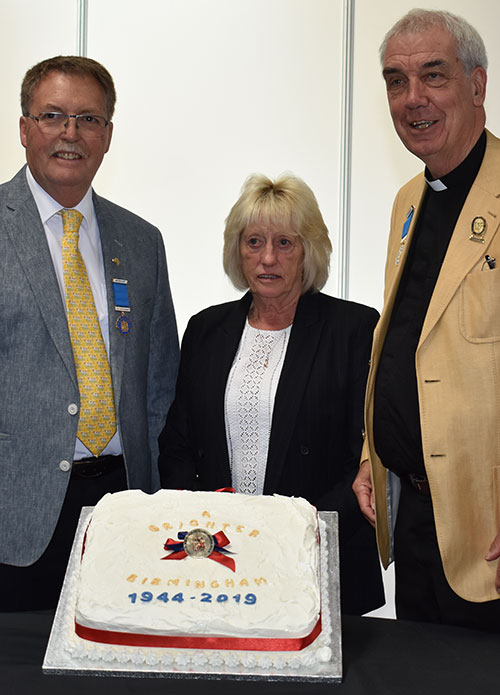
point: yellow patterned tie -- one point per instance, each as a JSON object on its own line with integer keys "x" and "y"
{"x": 97, "y": 423}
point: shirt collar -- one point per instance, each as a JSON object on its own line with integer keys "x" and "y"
{"x": 48, "y": 207}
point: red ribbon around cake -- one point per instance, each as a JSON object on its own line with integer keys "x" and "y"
{"x": 219, "y": 553}
{"x": 275, "y": 644}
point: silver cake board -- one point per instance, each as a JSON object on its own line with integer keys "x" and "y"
{"x": 58, "y": 659}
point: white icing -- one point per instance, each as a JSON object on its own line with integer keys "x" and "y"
{"x": 285, "y": 552}
{"x": 278, "y": 565}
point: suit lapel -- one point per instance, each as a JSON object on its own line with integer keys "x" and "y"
{"x": 229, "y": 339}
{"x": 113, "y": 247}
{"x": 300, "y": 354}
{"x": 463, "y": 253}
{"x": 24, "y": 227}
{"x": 226, "y": 345}
{"x": 398, "y": 252}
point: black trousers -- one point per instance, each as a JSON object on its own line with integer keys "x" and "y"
{"x": 37, "y": 587}
{"x": 422, "y": 592}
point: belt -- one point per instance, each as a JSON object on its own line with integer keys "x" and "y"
{"x": 420, "y": 483}
{"x": 96, "y": 466}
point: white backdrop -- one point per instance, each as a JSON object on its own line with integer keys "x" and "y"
{"x": 212, "y": 90}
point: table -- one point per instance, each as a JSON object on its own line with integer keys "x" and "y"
{"x": 381, "y": 657}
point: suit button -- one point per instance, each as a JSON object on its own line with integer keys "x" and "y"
{"x": 64, "y": 466}
{"x": 72, "y": 409}
{"x": 304, "y": 450}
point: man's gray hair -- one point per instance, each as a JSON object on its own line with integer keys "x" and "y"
{"x": 470, "y": 45}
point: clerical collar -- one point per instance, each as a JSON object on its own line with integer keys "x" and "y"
{"x": 436, "y": 184}
{"x": 464, "y": 174}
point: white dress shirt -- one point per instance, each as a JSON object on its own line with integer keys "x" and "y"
{"x": 91, "y": 251}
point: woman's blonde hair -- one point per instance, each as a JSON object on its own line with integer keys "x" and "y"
{"x": 290, "y": 203}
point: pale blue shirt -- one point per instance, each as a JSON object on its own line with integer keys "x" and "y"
{"x": 91, "y": 251}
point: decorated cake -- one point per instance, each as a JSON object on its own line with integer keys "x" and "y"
{"x": 193, "y": 573}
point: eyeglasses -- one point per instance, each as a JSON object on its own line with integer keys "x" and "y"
{"x": 88, "y": 124}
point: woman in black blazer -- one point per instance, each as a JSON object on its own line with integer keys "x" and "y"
{"x": 270, "y": 390}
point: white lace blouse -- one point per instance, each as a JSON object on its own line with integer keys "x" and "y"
{"x": 249, "y": 402}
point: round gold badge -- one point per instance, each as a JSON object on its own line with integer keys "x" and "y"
{"x": 478, "y": 226}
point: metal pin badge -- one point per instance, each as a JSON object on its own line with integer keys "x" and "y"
{"x": 123, "y": 323}
{"x": 478, "y": 228}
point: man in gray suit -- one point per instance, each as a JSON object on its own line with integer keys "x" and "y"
{"x": 65, "y": 441}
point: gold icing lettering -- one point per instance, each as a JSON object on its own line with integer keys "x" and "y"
{"x": 208, "y": 524}
{"x": 228, "y": 582}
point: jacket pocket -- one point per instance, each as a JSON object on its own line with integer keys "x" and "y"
{"x": 480, "y": 306}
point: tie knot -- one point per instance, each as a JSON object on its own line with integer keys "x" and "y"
{"x": 72, "y": 220}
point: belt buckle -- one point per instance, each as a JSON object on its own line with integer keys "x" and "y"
{"x": 88, "y": 469}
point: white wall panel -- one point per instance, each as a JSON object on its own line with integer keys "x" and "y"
{"x": 209, "y": 92}
{"x": 29, "y": 32}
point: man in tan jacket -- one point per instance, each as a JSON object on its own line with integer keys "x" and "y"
{"x": 430, "y": 473}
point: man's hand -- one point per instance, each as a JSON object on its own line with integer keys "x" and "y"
{"x": 362, "y": 487}
{"x": 494, "y": 554}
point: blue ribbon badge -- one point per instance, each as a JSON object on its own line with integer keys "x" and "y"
{"x": 122, "y": 304}
{"x": 404, "y": 233}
